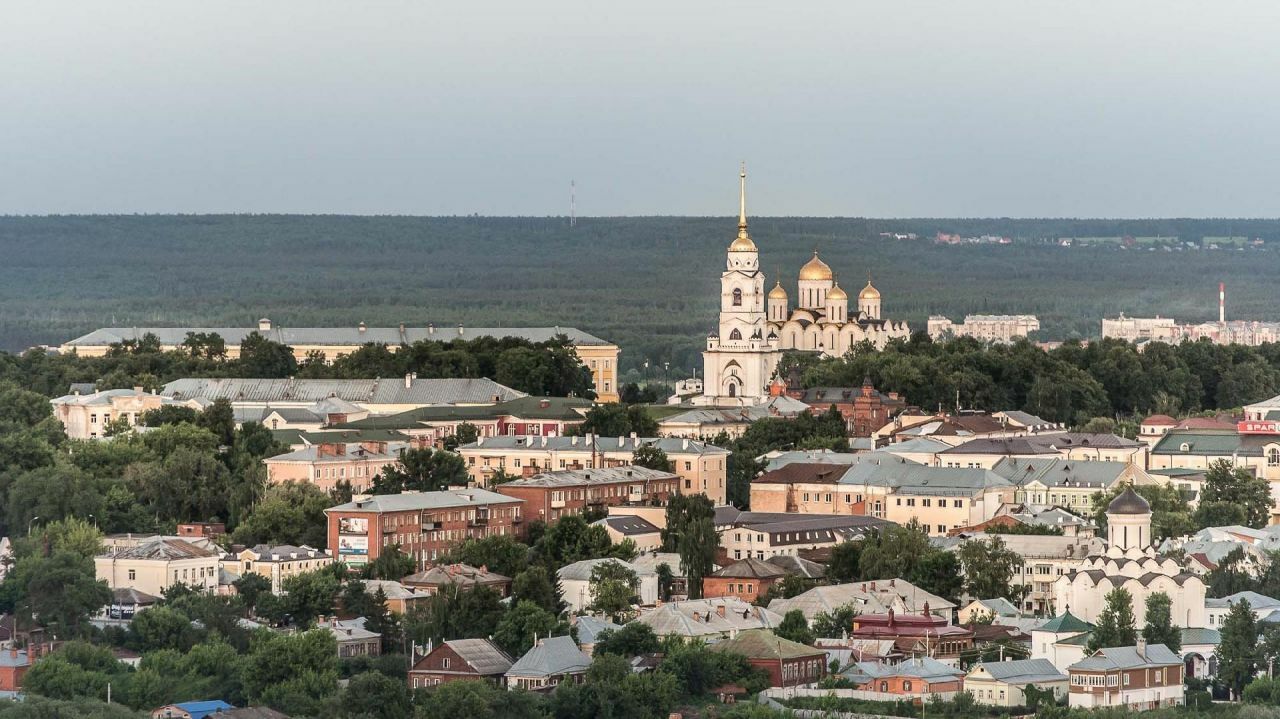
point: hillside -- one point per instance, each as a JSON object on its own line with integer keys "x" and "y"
{"x": 649, "y": 284}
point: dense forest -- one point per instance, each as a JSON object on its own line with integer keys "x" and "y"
{"x": 648, "y": 284}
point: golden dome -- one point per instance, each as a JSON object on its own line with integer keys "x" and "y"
{"x": 742, "y": 243}
{"x": 837, "y": 294}
{"x": 869, "y": 292}
{"x": 777, "y": 293}
{"x": 815, "y": 269}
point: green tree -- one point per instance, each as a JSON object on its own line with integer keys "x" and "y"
{"x": 516, "y": 630}
{"x": 310, "y": 594}
{"x": 653, "y": 457}
{"x": 250, "y": 586}
{"x": 501, "y": 553}
{"x": 422, "y": 470}
{"x": 377, "y": 694}
{"x": 289, "y": 513}
{"x": 613, "y": 589}
{"x": 835, "y": 623}
{"x": 691, "y": 533}
{"x": 260, "y": 357}
{"x": 795, "y": 627}
{"x": 1238, "y": 652}
{"x": 391, "y": 564}
{"x": 291, "y": 672}
{"x": 1115, "y": 626}
{"x": 1236, "y": 487}
{"x": 990, "y": 568}
{"x": 845, "y": 563}
{"x": 534, "y": 585}
{"x": 633, "y": 639}
{"x": 1159, "y": 627}
{"x": 455, "y": 615}
{"x": 1231, "y": 576}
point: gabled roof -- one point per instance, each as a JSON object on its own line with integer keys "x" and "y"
{"x": 701, "y": 617}
{"x": 1117, "y": 658}
{"x": 201, "y": 709}
{"x": 1059, "y": 472}
{"x": 627, "y": 445}
{"x": 926, "y": 668}
{"x": 587, "y": 477}
{"x": 750, "y": 568}
{"x": 1021, "y": 671}
{"x": 581, "y": 571}
{"x": 483, "y": 655}
{"x": 802, "y": 473}
{"x": 589, "y": 628}
{"x": 462, "y": 575}
{"x": 764, "y": 644}
{"x": 799, "y": 566}
{"x": 551, "y": 657}
{"x": 1000, "y": 606}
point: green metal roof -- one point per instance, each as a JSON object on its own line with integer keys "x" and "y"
{"x": 1203, "y": 442}
{"x": 1066, "y": 622}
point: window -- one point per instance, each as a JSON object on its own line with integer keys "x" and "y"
{"x": 737, "y": 297}
{"x": 445, "y": 664}
{"x": 925, "y": 502}
{"x": 1273, "y": 457}
{"x": 942, "y": 529}
{"x": 133, "y": 574}
{"x": 688, "y": 466}
{"x": 735, "y": 334}
{"x": 906, "y": 686}
{"x": 957, "y": 503}
{"x": 93, "y": 419}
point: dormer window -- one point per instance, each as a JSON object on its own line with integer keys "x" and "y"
{"x": 1186, "y": 447}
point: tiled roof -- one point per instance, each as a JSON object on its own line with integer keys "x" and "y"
{"x": 361, "y": 391}
{"x": 409, "y": 501}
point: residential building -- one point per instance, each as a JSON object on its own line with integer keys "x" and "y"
{"x": 923, "y": 634}
{"x": 423, "y": 525}
{"x": 954, "y": 429}
{"x": 1151, "y": 429}
{"x": 276, "y": 563}
{"x": 328, "y": 463}
{"x": 878, "y": 597}
{"x": 1004, "y": 684}
{"x": 1067, "y": 483}
{"x": 456, "y": 577}
{"x": 589, "y": 629}
{"x": 644, "y": 534}
{"x": 787, "y": 663}
{"x": 257, "y": 398}
{"x": 1003, "y": 329}
{"x": 1138, "y": 329}
{"x": 982, "y": 609}
{"x": 708, "y": 619}
{"x": 1217, "y": 608}
{"x": 212, "y": 531}
{"x": 353, "y": 639}
{"x": 798, "y": 566}
{"x": 460, "y": 660}
{"x": 1045, "y": 559}
{"x": 702, "y": 467}
{"x": 1072, "y": 446}
{"x": 768, "y": 534}
{"x": 1021, "y": 514}
{"x": 1256, "y": 451}
{"x": 399, "y": 599}
{"x": 86, "y": 416}
{"x": 14, "y": 663}
{"x": 707, "y": 422}
{"x": 864, "y": 409}
{"x": 155, "y": 565}
{"x": 525, "y": 416}
{"x": 576, "y": 588}
{"x": 918, "y": 678}
{"x": 551, "y": 661}
{"x": 559, "y": 493}
{"x": 1138, "y": 678}
{"x": 746, "y": 579}
{"x": 599, "y": 356}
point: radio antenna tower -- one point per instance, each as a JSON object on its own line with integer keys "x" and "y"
{"x": 573, "y": 205}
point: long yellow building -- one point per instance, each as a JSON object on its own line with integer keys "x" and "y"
{"x": 599, "y": 356}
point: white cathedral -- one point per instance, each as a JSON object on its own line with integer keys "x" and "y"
{"x": 743, "y": 353}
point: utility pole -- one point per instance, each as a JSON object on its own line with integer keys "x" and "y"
{"x": 573, "y": 205}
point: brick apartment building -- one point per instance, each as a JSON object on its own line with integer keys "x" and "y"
{"x": 423, "y": 524}
{"x": 865, "y": 409}
{"x": 552, "y": 495}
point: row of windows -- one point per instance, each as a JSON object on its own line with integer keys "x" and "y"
{"x": 848, "y": 498}
{"x": 1096, "y": 680}
{"x": 564, "y": 463}
{"x": 106, "y": 418}
{"x": 742, "y": 588}
{"x": 359, "y": 470}
{"x": 927, "y": 502}
{"x": 612, "y": 490}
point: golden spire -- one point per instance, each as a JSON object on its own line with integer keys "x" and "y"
{"x": 743, "y": 242}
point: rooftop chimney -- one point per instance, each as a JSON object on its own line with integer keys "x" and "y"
{"x": 1222, "y": 303}
{"x": 408, "y": 380}
{"x": 1142, "y": 647}
{"x": 361, "y": 327}
{"x": 264, "y": 325}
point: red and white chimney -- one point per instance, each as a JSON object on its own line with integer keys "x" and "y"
{"x": 1222, "y": 303}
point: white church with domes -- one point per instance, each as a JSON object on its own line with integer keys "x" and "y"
{"x": 752, "y": 334}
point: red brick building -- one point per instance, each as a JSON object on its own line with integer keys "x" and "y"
{"x": 922, "y": 634}
{"x": 14, "y": 664}
{"x": 552, "y": 495}
{"x": 423, "y": 524}
{"x": 458, "y": 660}
{"x": 865, "y": 409}
{"x": 745, "y": 579}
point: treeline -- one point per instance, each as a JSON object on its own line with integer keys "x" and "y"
{"x": 538, "y": 368}
{"x": 1070, "y": 384}
{"x": 650, "y": 285}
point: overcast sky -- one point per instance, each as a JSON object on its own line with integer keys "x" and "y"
{"x": 895, "y": 108}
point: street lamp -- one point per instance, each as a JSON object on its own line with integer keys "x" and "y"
{"x": 29, "y": 523}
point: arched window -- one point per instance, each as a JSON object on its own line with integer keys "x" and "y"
{"x": 735, "y": 335}
{"x": 1273, "y": 457}
{"x": 733, "y": 390}
{"x": 737, "y": 297}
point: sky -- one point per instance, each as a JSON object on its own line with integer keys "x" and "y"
{"x": 1141, "y": 108}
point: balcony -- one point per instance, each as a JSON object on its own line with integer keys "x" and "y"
{"x": 478, "y": 522}
{"x": 517, "y": 520}
{"x": 557, "y": 504}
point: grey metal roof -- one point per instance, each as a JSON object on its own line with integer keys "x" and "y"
{"x": 483, "y": 655}
{"x": 924, "y": 668}
{"x": 551, "y": 657}
{"x": 1200, "y": 635}
{"x": 409, "y": 501}
{"x": 581, "y": 571}
{"x": 446, "y": 391}
{"x": 352, "y": 450}
{"x": 798, "y": 566}
{"x": 628, "y": 525}
{"x": 163, "y": 549}
{"x": 1129, "y": 502}
{"x": 584, "y": 477}
{"x": 701, "y": 617}
{"x": 909, "y": 478}
{"x": 670, "y": 445}
{"x": 1022, "y": 671}
{"x": 352, "y": 336}
{"x": 1001, "y": 606}
{"x": 589, "y": 628}
{"x": 1059, "y": 472}
{"x": 102, "y": 398}
{"x": 1116, "y": 658}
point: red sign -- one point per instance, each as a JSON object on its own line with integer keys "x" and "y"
{"x": 1258, "y": 426}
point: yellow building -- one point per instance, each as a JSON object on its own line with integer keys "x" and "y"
{"x": 154, "y": 565}
{"x": 276, "y": 563}
{"x": 599, "y": 356}
{"x": 86, "y": 416}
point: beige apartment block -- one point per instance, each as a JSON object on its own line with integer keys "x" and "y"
{"x": 276, "y": 563}
{"x": 154, "y": 565}
{"x": 86, "y": 416}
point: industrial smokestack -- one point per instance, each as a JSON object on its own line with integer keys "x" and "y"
{"x": 1222, "y": 303}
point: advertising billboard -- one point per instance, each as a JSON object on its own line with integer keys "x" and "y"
{"x": 353, "y": 545}
{"x": 353, "y": 525}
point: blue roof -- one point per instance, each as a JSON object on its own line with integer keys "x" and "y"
{"x": 200, "y": 710}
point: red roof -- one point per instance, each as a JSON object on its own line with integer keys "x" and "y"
{"x": 1159, "y": 419}
{"x": 1204, "y": 423}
